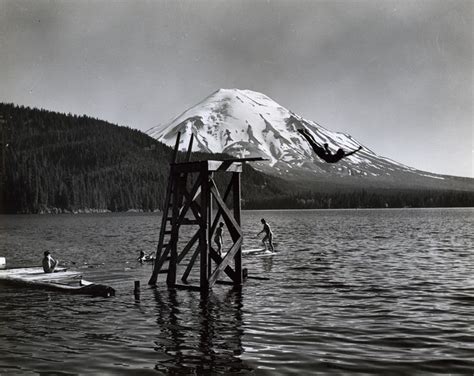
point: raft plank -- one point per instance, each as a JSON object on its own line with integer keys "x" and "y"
{"x": 36, "y": 274}
{"x": 60, "y": 280}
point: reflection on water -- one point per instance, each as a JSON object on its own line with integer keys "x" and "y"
{"x": 199, "y": 334}
{"x": 349, "y": 292}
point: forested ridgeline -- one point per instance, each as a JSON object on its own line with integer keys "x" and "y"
{"x": 367, "y": 198}
{"x": 53, "y": 162}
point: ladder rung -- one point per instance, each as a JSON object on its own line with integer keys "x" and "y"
{"x": 167, "y": 232}
{"x": 163, "y": 271}
{"x": 190, "y": 221}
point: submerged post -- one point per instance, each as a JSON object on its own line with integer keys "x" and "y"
{"x": 136, "y": 290}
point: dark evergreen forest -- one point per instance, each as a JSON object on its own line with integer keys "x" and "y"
{"x": 54, "y": 162}
{"x": 369, "y": 198}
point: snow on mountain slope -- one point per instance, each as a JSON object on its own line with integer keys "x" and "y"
{"x": 245, "y": 123}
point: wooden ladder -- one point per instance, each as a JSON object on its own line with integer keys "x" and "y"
{"x": 165, "y": 240}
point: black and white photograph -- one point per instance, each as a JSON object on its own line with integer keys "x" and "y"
{"x": 241, "y": 187}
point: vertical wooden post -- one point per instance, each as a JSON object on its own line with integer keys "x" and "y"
{"x": 136, "y": 290}
{"x": 204, "y": 236}
{"x": 190, "y": 148}
{"x": 237, "y": 209}
{"x": 176, "y": 205}
{"x": 176, "y": 148}
{"x": 209, "y": 261}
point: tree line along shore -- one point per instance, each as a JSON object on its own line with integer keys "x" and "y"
{"x": 56, "y": 163}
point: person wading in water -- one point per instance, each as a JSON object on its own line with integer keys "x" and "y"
{"x": 218, "y": 238}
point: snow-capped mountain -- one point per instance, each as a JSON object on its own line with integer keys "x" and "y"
{"x": 245, "y": 123}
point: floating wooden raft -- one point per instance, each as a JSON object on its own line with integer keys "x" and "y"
{"x": 61, "y": 280}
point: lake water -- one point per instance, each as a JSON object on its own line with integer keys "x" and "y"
{"x": 350, "y": 291}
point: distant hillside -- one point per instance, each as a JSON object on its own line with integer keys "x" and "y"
{"x": 53, "y": 162}
{"x": 57, "y": 162}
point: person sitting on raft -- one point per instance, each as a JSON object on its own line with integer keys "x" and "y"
{"x": 49, "y": 264}
{"x": 324, "y": 153}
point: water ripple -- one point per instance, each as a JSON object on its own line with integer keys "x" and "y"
{"x": 349, "y": 292}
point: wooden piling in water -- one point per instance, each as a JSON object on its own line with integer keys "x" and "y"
{"x": 136, "y": 290}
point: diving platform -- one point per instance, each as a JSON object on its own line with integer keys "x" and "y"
{"x": 200, "y": 194}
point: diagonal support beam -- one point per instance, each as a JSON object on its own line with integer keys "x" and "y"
{"x": 219, "y": 211}
{"x": 232, "y": 225}
{"x": 225, "y": 262}
{"x": 188, "y": 246}
{"x": 195, "y": 207}
{"x": 159, "y": 263}
{"x": 218, "y": 259}
{"x": 188, "y": 203}
{"x": 196, "y": 253}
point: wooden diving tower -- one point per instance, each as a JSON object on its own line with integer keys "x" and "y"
{"x": 189, "y": 210}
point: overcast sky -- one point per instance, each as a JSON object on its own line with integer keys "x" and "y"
{"x": 396, "y": 75}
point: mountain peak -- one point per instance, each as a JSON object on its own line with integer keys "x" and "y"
{"x": 246, "y": 123}
{"x": 236, "y": 91}
{"x": 242, "y": 95}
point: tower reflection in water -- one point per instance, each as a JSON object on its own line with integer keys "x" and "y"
{"x": 199, "y": 335}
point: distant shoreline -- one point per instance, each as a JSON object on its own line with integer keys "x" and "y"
{"x": 140, "y": 211}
